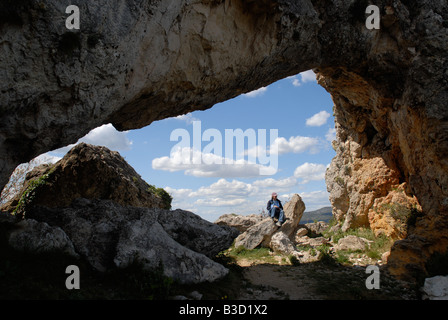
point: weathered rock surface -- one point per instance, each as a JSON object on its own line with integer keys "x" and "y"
{"x": 257, "y": 235}
{"x": 242, "y": 223}
{"x": 109, "y": 235}
{"x": 280, "y": 242}
{"x": 352, "y": 243}
{"x": 134, "y": 62}
{"x": 86, "y": 171}
{"x": 435, "y": 288}
{"x": 294, "y": 210}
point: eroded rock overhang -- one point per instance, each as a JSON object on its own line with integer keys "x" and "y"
{"x": 138, "y": 61}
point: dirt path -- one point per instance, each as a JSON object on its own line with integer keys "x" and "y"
{"x": 316, "y": 282}
{"x": 280, "y": 282}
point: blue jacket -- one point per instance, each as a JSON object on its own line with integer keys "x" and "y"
{"x": 270, "y": 202}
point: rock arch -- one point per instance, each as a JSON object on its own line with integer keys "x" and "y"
{"x": 138, "y": 61}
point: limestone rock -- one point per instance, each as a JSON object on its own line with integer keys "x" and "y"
{"x": 280, "y": 243}
{"x": 33, "y": 236}
{"x": 317, "y": 228}
{"x": 294, "y": 210}
{"x": 86, "y": 171}
{"x": 351, "y": 243}
{"x": 301, "y": 232}
{"x": 109, "y": 235}
{"x": 197, "y": 234}
{"x": 312, "y": 242}
{"x": 257, "y": 234}
{"x": 145, "y": 240}
{"x": 435, "y": 288}
{"x": 138, "y": 61}
{"x": 242, "y": 223}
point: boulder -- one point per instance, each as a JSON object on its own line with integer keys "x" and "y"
{"x": 109, "y": 235}
{"x": 280, "y": 242}
{"x": 301, "y": 232}
{"x": 256, "y": 235}
{"x": 312, "y": 242}
{"x": 33, "y": 236}
{"x": 351, "y": 243}
{"x": 197, "y": 234}
{"x": 435, "y": 288}
{"x": 86, "y": 171}
{"x": 318, "y": 227}
{"x": 242, "y": 223}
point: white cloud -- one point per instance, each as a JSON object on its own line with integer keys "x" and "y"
{"x": 198, "y": 164}
{"x": 217, "y": 202}
{"x": 310, "y": 171}
{"x": 331, "y": 134}
{"x": 297, "y": 144}
{"x": 178, "y": 193}
{"x": 303, "y": 77}
{"x": 234, "y": 196}
{"x": 275, "y": 184}
{"x": 188, "y": 118}
{"x": 317, "y": 120}
{"x": 256, "y": 93}
{"x": 226, "y": 189}
{"x": 106, "y": 136}
{"x": 308, "y": 76}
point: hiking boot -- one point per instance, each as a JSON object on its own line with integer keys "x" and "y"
{"x": 278, "y": 224}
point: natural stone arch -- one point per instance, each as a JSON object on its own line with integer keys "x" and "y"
{"x": 135, "y": 62}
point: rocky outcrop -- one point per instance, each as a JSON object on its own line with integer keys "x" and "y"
{"x": 266, "y": 233}
{"x": 435, "y": 288}
{"x": 86, "y": 171}
{"x": 258, "y": 234}
{"x": 93, "y": 205}
{"x": 37, "y": 237}
{"x": 134, "y": 62}
{"x": 241, "y": 223}
{"x": 109, "y": 235}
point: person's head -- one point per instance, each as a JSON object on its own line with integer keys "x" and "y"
{"x": 274, "y": 195}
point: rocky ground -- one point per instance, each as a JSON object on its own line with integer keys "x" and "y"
{"x": 317, "y": 281}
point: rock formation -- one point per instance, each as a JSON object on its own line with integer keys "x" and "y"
{"x": 86, "y": 171}
{"x": 121, "y": 221}
{"x": 109, "y": 235}
{"x": 134, "y": 62}
{"x": 241, "y": 223}
{"x": 435, "y": 288}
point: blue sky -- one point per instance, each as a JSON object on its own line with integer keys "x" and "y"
{"x": 299, "y": 108}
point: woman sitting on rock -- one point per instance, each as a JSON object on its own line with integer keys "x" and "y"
{"x": 275, "y": 210}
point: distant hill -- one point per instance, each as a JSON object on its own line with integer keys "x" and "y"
{"x": 322, "y": 214}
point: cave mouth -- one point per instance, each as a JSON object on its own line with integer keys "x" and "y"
{"x": 391, "y": 81}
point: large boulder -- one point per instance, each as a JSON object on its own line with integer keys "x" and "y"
{"x": 109, "y": 235}
{"x": 294, "y": 210}
{"x": 435, "y": 288}
{"x": 86, "y": 171}
{"x": 33, "y": 236}
{"x": 256, "y": 235}
{"x": 241, "y": 223}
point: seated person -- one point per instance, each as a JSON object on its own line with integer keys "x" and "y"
{"x": 275, "y": 209}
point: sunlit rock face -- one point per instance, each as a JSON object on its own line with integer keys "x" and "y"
{"x": 134, "y": 62}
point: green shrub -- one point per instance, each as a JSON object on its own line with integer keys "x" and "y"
{"x": 161, "y": 193}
